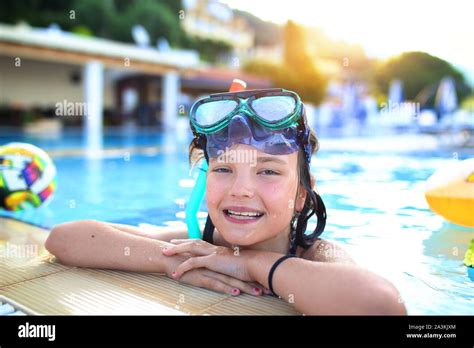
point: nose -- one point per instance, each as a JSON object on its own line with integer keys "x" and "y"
{"x": 242, "y": 185}
{"x": 239, "y": 128}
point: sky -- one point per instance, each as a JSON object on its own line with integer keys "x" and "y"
{"x": 444, "y": 28}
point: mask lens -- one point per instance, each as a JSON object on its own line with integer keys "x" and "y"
{"x": 211, "y": 112}
{"x": 274, "y": 108}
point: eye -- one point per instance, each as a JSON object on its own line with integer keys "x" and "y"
{"x": 268, "y": 172}
{"x": 221, "y": 170}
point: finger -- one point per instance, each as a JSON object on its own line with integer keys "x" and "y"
{"x": 259, "y": 286}
{"x": 187, "y": 240}
{"x": 190, "y": 264}
{"x": 180, "y": 241}
{"x": 195, "y": 247}
{"x": 245, "y": 287}
{"x": 219, "y": 286}
{"x": 199, "y": 279}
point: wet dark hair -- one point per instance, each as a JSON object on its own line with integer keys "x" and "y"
{"x": 313, "y": 204}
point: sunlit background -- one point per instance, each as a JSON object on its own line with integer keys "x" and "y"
{"x": 105, "y": 87}
{"x": 441, "y": 28}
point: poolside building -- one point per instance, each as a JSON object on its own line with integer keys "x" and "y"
{"x": 74, "y": 80}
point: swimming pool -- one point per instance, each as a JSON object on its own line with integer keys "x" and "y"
{"x": 375, "y": 202}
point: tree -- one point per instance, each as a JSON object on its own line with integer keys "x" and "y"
{"x": 301, "y": 74}
{"x": 40, "y": 13}
{"x": 298, "y": 71}
{"x": 209, "y": 50}
{"x": 266, "y": 33}
{"x": 91, "y": 14}
{"x": 111, "y": 19}
{"x": 418, "y": 70}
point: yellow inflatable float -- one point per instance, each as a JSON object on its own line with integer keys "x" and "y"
{"x": 450, "y": 192}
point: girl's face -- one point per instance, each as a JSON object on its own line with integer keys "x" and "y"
{"x": 251, "y": 196}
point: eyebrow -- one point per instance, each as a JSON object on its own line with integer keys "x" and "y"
{"x": 262, "y": 159}
{"x": 270, "y": 159}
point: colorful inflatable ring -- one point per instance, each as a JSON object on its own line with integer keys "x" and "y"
{"x": 27, "y": 177}
{"x": 450, "y": 192}
{"x": 469, "y": 260}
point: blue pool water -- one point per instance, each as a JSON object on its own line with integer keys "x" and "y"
{"x": 375, "y": 202}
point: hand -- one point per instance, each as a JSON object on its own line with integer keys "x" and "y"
{"x": 211, "y": 257}
{"x": 208, "y": 279}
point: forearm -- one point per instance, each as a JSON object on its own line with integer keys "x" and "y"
{"x": 164, "y": 233}
{"x": 100, "y": 245}
{"x": 326, "y": 288}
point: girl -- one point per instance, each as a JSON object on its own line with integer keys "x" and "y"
{"x": 260, "y": 196}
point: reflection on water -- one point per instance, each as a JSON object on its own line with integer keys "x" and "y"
{"x": 450, "y": 242}
{"x": 377, "y": 211}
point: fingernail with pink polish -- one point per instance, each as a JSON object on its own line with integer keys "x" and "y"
{"x": 235, "y": 291}
{"x": 256, "y": 291}
{"x": 266, "y": 291}
{"x": 174, "y": 274}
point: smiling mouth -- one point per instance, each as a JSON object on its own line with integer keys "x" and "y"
{"x": 243, "y": 215}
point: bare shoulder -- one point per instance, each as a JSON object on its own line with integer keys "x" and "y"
{"x": 324, "y": 251}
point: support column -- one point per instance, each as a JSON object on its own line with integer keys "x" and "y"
{"x": 93, "y": 96}
{"x": 171, "y": 88}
